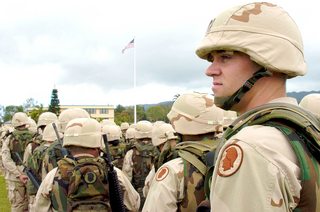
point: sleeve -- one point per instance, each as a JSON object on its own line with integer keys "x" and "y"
{"x": 165, "y": 189}
{"x": 131, "y": 197}
{"x": 148, "y": 181}
{"x": 7, "y": 161}
{"x": 42, "y": 200}
{"x": 127, "y": 166}
{"x": 245, "y": 179}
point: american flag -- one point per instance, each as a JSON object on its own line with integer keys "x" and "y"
{"x": 128, "y": 46}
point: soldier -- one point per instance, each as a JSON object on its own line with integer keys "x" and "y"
{"x": 12, "y": 155}
{"x": 5, "y": 132}
{"x": 44, "y": 119}
{"x": 179, "y": 182}
{"x": 138, "y": 160}
{"x": 130, "y": 138}
{"x": 165, "y": 139}
{"x": 35, "y": 161}
{"x": 311, "y": 102}
{"x": 116, "y": 146}
{"x": 253, "y": 49}
{"x": 55, "y": 151}
{"x": 124, "y": 126}
{"x": 79, "y": 182}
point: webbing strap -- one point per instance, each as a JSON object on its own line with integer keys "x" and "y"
{"x": 191, "y": 158}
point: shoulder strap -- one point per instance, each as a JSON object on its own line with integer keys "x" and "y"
{"x": 197, "y": 153}
{"x": 288, "y": 114}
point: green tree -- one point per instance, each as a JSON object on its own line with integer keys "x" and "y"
{"x": 157, "y": 113}
{"x": 54, "y": 106}
{"x": 123, "y": 114}
{"x": 10, "y": 110}
{"x": 36, "y": 111}
{"x": 141, "y": 114}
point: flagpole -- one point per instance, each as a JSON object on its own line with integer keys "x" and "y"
{"x": 134, "y": 81}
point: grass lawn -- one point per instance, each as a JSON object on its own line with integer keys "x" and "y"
{"x": 4, "y": 202}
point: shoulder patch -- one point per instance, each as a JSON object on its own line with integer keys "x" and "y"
{"x": 230, "y": 161}
{"x": 162, "y": 173}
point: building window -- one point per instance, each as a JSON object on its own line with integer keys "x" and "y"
{"x": 91, "y": 110}
{"x": 104, "y": 111}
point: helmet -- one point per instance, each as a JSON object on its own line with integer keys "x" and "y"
{"x": 195, "y": 113}
{"x": 69, "y": 114}
{"x": 84, "y": 132}
{"x": 32, "y": 125}
{"x": 133, "y": 126}
{"x": 113, "y": 132}
{"x": 158, "y": 123}
{"x": 130, "y": 133}
{"x": 19, "y": 119}
{"x": 46, "y": 118}
{"x": 263, "y": 31}
{"x": 311, "y": 103}
{"x": 143, "y": 130}
{"x": 124, "y": 125}
{"x": 107, "y": 122}
{"x": 163, "y": 133}
{"x": 49, "y": 134}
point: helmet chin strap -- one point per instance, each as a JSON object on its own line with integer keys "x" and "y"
{"x": 226, "y": 103}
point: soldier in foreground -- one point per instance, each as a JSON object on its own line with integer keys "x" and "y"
{"x": 79, "y": 182}
{"x": 253, "y": 49}
{"x": 178, "y": 184}
{"x": 55, "y": 151}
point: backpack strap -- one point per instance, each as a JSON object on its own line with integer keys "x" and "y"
{"x": 191, "y": 158}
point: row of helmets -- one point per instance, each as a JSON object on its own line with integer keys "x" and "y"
{"x": 192, "y": 113}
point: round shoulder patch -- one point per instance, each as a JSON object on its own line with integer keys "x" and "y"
{"x": 162, "y": 173}
{"x": 230, "y": 161}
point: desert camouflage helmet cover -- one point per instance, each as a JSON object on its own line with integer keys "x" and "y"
{"x": 143, "y": 129}
{"x": 195, "y": 113}
{"x": 19, "y": 119}
{"x": 124, "y": 125}
{"x": 32, "y": 125}
{"x": 107, "y": 122}
{"x": 311, "y": 102}
{"x": 84, "y": 132}
{"x": 113, "y": 132}
{"x": 162, "y": 133}
{"x": 130, "y": 133}
{"x": 69, "y": 114}
{"x": 262, "y": 30}
{"x": 49, "y": 134}
{"x": 46, "y": 118}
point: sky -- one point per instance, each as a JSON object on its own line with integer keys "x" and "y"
{"x": 75, "y": 46}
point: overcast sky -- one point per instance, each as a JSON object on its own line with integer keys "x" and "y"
{"x": 75, "y": 46}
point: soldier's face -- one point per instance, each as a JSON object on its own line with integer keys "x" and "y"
{"x": 229, "y": 70}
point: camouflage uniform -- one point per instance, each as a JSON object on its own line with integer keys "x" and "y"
{"x": 178, "y": 185}
{"x": 139, "y": 160}
{"x": 257, "y": 168}
{"x": 34, "y": 162}
{"x": 55, "y": 151}
{"x": 117, "y": 147}
{"x": 164, "y": 138}
{"x": 14, "y": 144}
{"x": 60, "y": 188}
